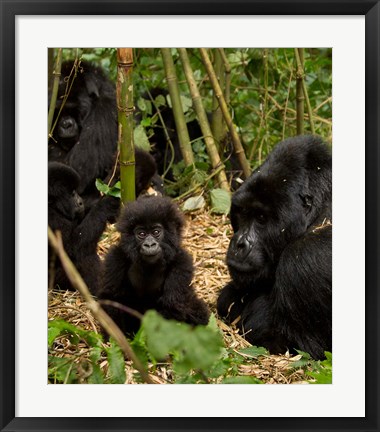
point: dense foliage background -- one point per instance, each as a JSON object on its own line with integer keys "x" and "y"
{"x": 262, "y": 92}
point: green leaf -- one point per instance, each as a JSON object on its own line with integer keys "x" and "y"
{"x": 146, "y": 122}
{"x": 220, "y": 201}
{"x": 145, "y": 105}
{"x": 241, "y": 380}
{"x": 199, "y": 177}
{"x": 62, "y": 370}
{"x": 101, "y": 186}
{"x": 63, "y": 327}
{"x": 96, "y": 376}
{"x": 194, "y": 203}
{"x": 53, "y": 332}
{"x": 192, "y": 347}
{"x": 323, "y": 376}
{"x": 116, "y": 363}
{"x": 253, "y": 351}
{"x": 160, "y": 101}
{"x": 140, "y": 138}
{"x": 186, "y": 103}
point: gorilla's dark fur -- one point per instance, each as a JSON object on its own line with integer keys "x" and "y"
{"x": 149, "y": 269}
{"x": 85, "y": 137}
{"x": 80, "y": 231}
{"x": 280, "y": 256}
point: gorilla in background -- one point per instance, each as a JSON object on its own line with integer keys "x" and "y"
{"x": 161, "y": 150}
{"x": 280, "y": 256}
{"x": 80, "y": 231}
{"x": 149, "y": 269}
{"x": 85, "y": 137}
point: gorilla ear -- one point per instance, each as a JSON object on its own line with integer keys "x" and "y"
{"x": 91, "y": 86}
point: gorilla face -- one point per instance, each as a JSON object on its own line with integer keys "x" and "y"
{"x": 148, "y": 240}
{"x": 68, "y": 127}
{"x": 62, "y": 194}
{"x": 267, "y": 213}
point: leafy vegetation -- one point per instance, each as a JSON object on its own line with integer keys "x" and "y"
{"x": 193, "y": 355}
{"x": 261, "y": 98}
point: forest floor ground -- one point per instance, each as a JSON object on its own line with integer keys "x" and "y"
{"x": 206, "y": 237}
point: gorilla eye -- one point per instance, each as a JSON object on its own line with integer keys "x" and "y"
{"x": 261, "y": 218}
{"x": 156, "y": 232}
{"x": 141, "y": 234}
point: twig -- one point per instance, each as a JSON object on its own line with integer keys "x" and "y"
{"x": 104, "y": 319}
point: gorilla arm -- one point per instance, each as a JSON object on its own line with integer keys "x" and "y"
{"x": 178, "y": 301}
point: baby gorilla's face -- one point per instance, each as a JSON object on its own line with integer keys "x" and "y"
{"x": 148, "y": 240}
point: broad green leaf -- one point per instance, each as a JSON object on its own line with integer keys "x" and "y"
{"x": 145, "y": 105}
{"x": 253, "y": 351}
{"x": 116, "y": 364}
{"x": 241, "y": 380}
{"x": 160, "y": 101}
{"x": 101, "y": 186}
{"x": 140, "y": 138}
{"x": 194, "y": 203}
{"x": 92, "y": 338}
{"x": 220, "y": 201}
{"x": 53, "y": 332}
{"x": 192, "y": 347}
{"x": 96, "y": 376}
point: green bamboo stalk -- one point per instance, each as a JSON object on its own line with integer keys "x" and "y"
{"x": 217, "y": 122}
{"x": 180, "y": 122}
{"x": 54, "y": 93}
{"x": 299, "y": 92}
{"x": 239, "y": 150}
{"x": 305, "y": 93}
{"x": 227, "y": 69}
{"x": 51, "y": 62}
{"x": 125, "y": 120}
{"x": 203, "y": 120}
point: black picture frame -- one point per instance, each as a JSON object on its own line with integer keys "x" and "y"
{"x": 9, "y": 10}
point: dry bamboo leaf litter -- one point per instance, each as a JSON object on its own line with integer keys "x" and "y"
{"x": 206, "y": 237}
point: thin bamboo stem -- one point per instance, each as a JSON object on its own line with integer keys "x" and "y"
{"x": 305, "y": 93}
{"x": 239, "y": 151}
{"x": 54, "y": 93}
{"x": 217, "y": 122}
{"x": 203, "y": 120}
{"x": 300, "y": 98}
{"x": 179, "y": 118}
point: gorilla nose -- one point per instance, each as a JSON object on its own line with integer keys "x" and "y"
{"x": 150, "y": 247}
{"x": 67, "y": 123}
{"x": 243, "y": 246}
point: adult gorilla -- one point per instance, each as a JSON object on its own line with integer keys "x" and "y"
{"x": 85, "y": 137}
{"x": 280, "y": 255}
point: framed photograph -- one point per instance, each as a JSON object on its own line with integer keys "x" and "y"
{"x": 351, "y": 30}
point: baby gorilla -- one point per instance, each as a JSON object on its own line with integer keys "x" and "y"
{"x": 80, "y": 230}
{"x": 148, "y": 269}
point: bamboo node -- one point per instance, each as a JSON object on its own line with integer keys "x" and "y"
{"x": 130, "y": 163}
{"x": 125, "y": 65}
{"x": 128, "y": 111}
